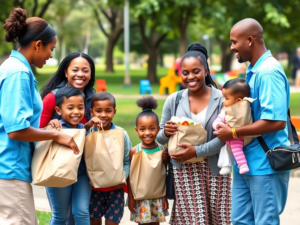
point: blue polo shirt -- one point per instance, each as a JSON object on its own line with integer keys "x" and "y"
{"x": 270, "y": 87}
{"x": 20, "y": 107}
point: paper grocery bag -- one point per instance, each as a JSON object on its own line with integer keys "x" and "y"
{"x": 239, "y": 114}
{"x": 104, "y": 153}
{"x": 56, "y": 165}
{"x": 147, "y": 175}
{"x": 192, "y": 135}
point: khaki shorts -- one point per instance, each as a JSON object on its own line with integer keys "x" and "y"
{"x": 16, "y": 203}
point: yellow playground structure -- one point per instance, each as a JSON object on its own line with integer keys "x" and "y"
{"x": 170, "y": 81}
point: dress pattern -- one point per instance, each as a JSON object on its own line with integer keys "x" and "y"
{"x": 201, "y": 199}
{"x": 149, "y": 211}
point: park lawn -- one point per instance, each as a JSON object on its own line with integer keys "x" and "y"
{"x": 114, "y": 81}
{"x": 43, "y": 217}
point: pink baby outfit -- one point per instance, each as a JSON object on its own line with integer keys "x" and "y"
{"x": 236, "y": 145}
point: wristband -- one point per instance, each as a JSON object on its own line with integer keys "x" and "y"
{"x": 234, "y": 135}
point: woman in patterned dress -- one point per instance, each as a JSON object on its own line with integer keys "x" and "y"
{"x": 203, "y": 196}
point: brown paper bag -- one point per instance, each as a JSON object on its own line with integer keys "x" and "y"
{"x": 55, "y": 165}
{"x": 192, "y": 135}
{"x": 104, "y": 153}
{"x": 147, "y": 175}
{"x": 239, "y": 114}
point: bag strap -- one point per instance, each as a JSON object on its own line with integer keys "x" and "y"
{"x": 294, "y": 132}
{"x": 32, "y": 148}
{"x": 178, "y": 97}
{"x": 294, "y": 136}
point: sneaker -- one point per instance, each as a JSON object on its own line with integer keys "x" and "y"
{"x": 244, "y": 169}
{"x": 225, "y": 170}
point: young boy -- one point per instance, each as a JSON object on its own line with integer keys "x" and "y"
{"x": 70, "y": 106}
{"x": 108, "y": 201}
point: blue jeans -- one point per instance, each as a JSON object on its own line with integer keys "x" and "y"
{"x": 77, "y": 194}
{"x": 258, "y": 199}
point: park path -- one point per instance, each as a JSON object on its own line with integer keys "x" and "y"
{"x": 157, "y": 96}
{"x": 290, "y": 216}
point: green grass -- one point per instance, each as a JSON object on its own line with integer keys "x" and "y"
{"x": 43, "y": 217}
{"x": 114, "y": 81}
{"x": 295, "y": 104}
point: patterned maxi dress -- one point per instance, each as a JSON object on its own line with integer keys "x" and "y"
{"x": 201, "y": 199}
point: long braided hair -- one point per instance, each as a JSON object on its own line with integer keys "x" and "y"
{"x": 197, "y": 50}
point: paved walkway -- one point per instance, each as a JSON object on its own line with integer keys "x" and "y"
{"x": 289, "y": 217}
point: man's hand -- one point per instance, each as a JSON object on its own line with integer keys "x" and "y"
{"x": 188, "y": 153}
{"x": 224, "y": 132}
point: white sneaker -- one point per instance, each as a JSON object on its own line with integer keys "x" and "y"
{"x": 225, "y": 170}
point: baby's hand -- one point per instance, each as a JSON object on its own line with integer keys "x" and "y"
{"x": 218, "y": 126}
{"x": 55, "y": 124}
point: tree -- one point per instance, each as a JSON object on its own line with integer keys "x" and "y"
{"x": 154, "y": 26}
{"x": 109, "y": 13}
{"x": 183, "y": 12}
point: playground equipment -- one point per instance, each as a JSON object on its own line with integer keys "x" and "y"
{"x": 145, "y": 87}
{"x": 169, "y": 82}
{"x": 221, "y": 78}
{"x": 101, "y": 85}
{"x": 296, "y": 122}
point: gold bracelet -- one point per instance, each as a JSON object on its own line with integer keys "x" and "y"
{"x": 234, "y": 135}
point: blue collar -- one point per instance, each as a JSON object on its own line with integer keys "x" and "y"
{"x": 112, "y": 126}
{"x": 259, "y": 62}
{"x": 66, "y": 125}
{"x": 19, "y": 56}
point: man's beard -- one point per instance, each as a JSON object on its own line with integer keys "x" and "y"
{"x": 240, "y": 60}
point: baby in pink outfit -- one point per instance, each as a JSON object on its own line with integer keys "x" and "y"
{"x": 234, "y": 91}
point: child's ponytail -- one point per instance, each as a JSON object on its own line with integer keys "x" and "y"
{"x": 147, "y": 104}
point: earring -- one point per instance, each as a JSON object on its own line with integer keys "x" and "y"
{"x": 37, "y": 50}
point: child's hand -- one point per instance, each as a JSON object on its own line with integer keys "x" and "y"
{"x": 118, "y": 187}
{"x": 55, "y": 124}
{"x": 218, "y": 126}
{"x": 165, "y": 203}
{"x": 131, "y": 204}
{"x": 95, "y": 121}
{"x": 165, "y": 157}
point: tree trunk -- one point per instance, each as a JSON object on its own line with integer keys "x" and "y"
{"x": 59, "y": 49}
{"x": 182, "y": 43}
{"x": 152, "y": 61}
{"x": 226, "y": 56}
{"x": 161, "y": 60}
{"x": 109, "y": 56}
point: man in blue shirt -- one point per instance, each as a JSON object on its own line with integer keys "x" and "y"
{"x": 259, "y": 196}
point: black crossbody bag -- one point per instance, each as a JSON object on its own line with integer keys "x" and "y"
{"x": 283, "y": 158}
{"x": 170, "y": 189}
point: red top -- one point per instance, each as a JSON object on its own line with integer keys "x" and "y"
{"x": 49, "y": 109}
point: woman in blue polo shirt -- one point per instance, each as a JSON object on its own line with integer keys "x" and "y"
{"x": 20, "y": 110}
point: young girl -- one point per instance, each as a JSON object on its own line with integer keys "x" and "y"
{"x": 150, "y": 211}
{"x": 233, "y": 91}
